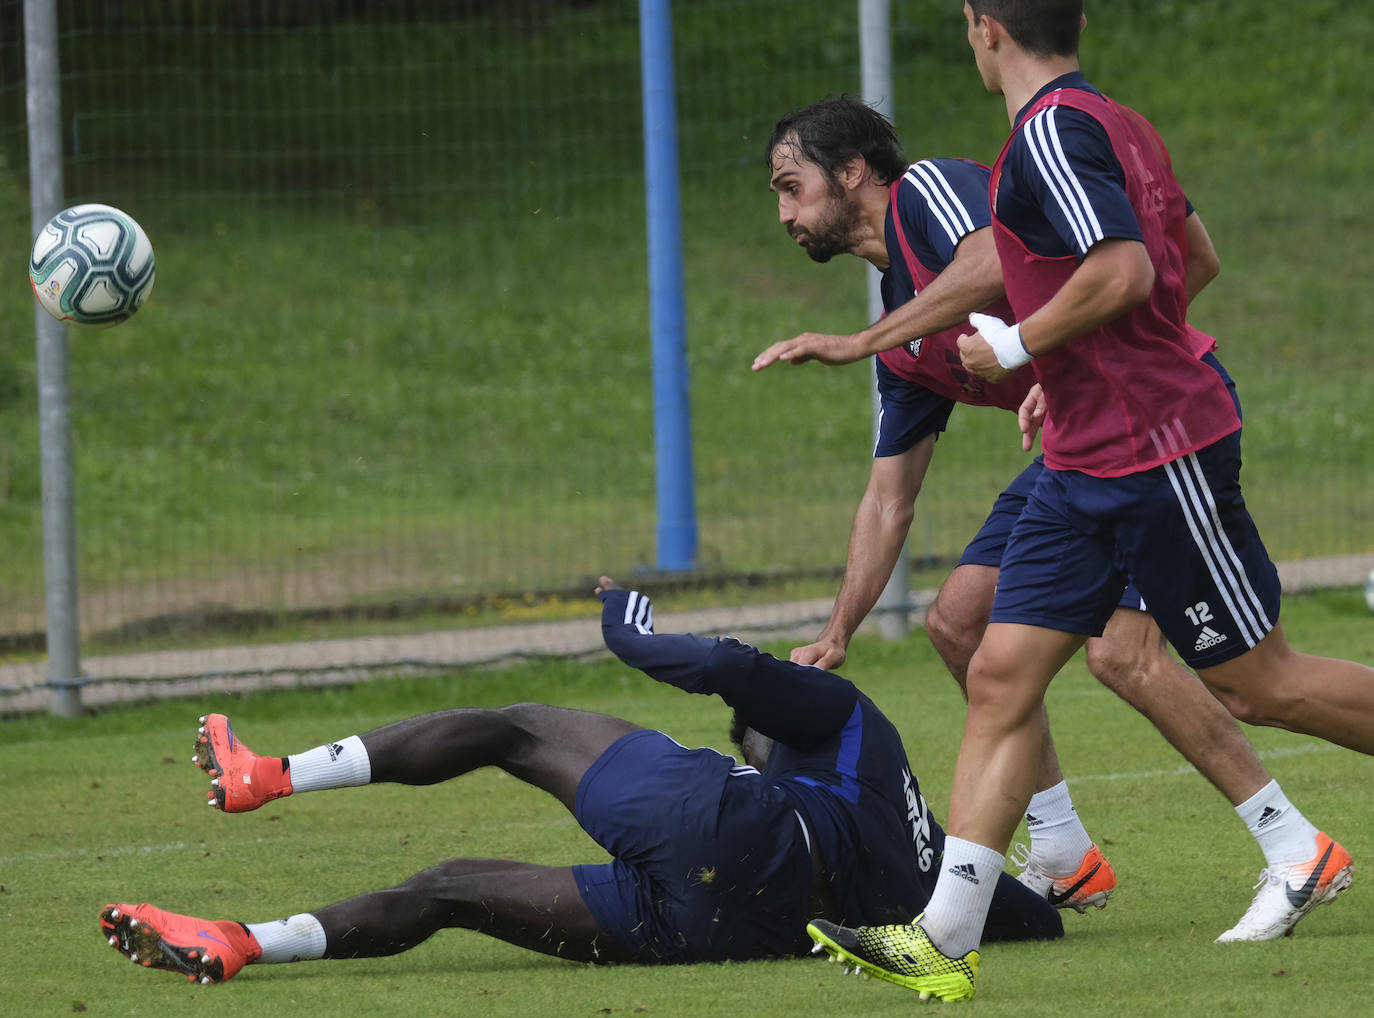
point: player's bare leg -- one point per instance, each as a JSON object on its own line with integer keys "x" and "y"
{"x": 1274, "y": 685}
{"x": 548, "y": 747}
{"x": 994, "y": 775}
{"x": 1132, "y": 659}
{"x": 538, "y": 908}
{"x": 535, "y": 907}
{"x": 1062, "y": 863}
{"x": 955, "y": 622}
{"x": 1003, "y": 731}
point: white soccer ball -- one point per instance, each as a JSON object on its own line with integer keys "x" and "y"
{"x": 91, "y": 265}
{"x": 1369, "y": 592}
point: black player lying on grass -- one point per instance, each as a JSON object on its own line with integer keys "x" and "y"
{"x": 712, "y": 859}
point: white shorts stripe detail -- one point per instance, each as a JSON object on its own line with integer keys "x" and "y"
{"x": 1223, "y": 542}
{"x": 1208, "y": 546}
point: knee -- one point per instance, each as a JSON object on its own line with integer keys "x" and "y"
{"x": 1257, "y": 702}
{"x": 991, "y": 687}
{"x": 1114, "y": 665}
{"x": 953, "y": 631}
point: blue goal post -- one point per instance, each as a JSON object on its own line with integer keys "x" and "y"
{"x": 677, "y": 521}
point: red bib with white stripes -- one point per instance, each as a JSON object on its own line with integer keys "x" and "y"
{"x": 1131, "y": 394}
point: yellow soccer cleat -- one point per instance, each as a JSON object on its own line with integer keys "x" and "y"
{"x": 901, "y": 954}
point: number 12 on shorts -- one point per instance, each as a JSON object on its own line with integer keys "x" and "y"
{"x": 1198, "y": 613}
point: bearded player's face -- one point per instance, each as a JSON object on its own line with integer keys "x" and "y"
{"x": 815, "y": 209}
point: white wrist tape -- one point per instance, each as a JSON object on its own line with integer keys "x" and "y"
{"x": 1004, "y": 339}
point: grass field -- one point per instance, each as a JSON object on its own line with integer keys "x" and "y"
{"x": 109, "y": 808}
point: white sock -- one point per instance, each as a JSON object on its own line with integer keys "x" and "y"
{"x": 1059, "y": 841}
{"x": 339, "y": 764}
{"x": 1285, "y": 836}
{"x": 299, "y": 938}
{"x": 958, "y": 910}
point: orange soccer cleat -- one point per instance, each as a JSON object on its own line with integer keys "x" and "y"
{"x": 1287, "y": 893}
{"x": 241, "y": 780}
{"x": 202, "y": 950}
{"x": 1091, "y": 884}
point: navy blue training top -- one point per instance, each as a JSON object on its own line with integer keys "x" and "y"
{"x": 1062, "y": 188}
{"x": 836, "y": 757}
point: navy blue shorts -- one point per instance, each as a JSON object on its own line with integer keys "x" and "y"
{"x": 1181, "y": 531}
{"x": 908, "y": 412}
{"x": 990, "y": 542}
{"x": 711, "y": 864}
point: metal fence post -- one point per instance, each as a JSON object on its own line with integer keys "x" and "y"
{"x": 44, "y": 107}
{"x": 875, "y": 55}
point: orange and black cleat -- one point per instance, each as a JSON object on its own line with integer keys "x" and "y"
{"x": 240, "y": 779}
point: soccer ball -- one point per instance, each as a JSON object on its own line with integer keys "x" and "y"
{"x": 1369, "y": 592}
{"x": 91, "y": 265}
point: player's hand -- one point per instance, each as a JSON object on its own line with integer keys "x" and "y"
{"x": 978, "y": 358}
{"x": 812, "y": 346}
{"x": 1031, "y": 415}
{"x": 822, "y": 654}
{"x": 606, "y": 584}
{"x": 995, "y": 350}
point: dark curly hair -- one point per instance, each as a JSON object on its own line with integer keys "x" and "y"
{"x": 837, "y": 128}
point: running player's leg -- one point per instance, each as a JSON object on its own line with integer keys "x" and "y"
{"x": 1060, "y": 843}
{"x": 1199, "y": 561}
{"x": 1061, "y": 851}
{"x": 1277, "y": 686}
{"x": 548, "y": 747}
{"x": 1132, "y": 659}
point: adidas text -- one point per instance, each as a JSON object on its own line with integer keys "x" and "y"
{"x": 1209, "y": 637}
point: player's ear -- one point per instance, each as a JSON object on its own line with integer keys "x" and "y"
{"x": 852, "y": 172}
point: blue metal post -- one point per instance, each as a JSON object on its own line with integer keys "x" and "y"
{"x": 677, "y": 526}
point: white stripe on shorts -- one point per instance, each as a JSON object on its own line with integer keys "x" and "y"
{"x": 1200, "y": 510}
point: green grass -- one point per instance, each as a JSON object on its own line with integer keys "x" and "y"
{"x": 109, "y": 807}
{"x": 400, "y": 349}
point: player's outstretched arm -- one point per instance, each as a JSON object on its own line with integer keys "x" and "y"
{"x": 971, "y": 281}
{"x": 876, "y": 540}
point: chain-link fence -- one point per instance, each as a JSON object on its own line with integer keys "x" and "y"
{"x": 395, "y": 370}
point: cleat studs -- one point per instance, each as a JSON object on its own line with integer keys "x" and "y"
{"x": 214, "y": 782}
{"x": 204, "y": 980}
{"x": 817, "y": 947}
{"x": 133, "y": 956}
{"x": 133, "y": 923}
{"x": 114, "y": 941}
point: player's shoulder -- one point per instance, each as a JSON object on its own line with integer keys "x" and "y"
{"x": 945, "y": 172}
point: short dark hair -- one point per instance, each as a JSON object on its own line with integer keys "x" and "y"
{"x": 1043, "y": 28}
{"x": 837, "y": 128}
